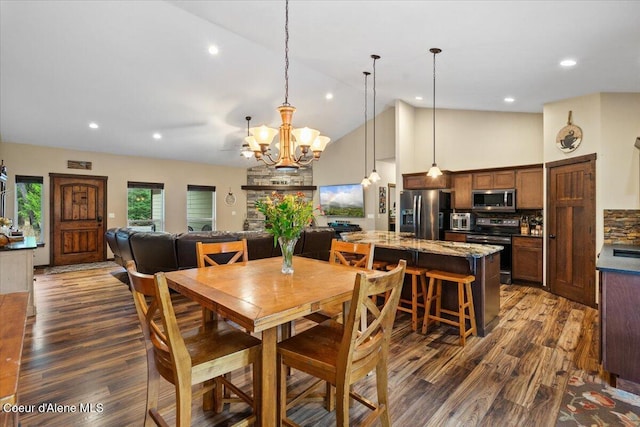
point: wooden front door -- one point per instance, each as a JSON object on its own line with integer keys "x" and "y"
{"x": 571, "y": 228}
{"x": 78, "y": 208}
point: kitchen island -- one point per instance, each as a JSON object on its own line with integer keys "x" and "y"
{"x": 483, "y": 261}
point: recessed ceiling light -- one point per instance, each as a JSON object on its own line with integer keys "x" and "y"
{"x": 568, "y": 62}
{"x": 93, "y": 125}
{"x": 157, "y": 136}
{"x": 213, "y": 50}
{"x": 418, "y": 98}
{"x": 509, "y": 99}
{"x": 329, "y": 95}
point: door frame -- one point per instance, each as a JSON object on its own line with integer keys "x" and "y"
{"x": 588, "y": 158}
{"x": 52, "y": 207}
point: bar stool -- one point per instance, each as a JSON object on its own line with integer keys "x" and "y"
{"x": 411, "y": 305}
{"x": 464, "y": 286}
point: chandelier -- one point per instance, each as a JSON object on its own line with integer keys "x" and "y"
{"x": 297, "y": 147}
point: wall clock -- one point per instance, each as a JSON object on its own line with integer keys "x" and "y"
{"x": 569, "y": 137}
{"x": 230, "y": 198}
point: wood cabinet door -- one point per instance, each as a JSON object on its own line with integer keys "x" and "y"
{"x": 455, "y": 237}
{"x": 529, "y": 189}
{"x": 527, "y": 259}
{"x": 483, "y": 181}
{"x": 420, "y": 181}
{"x": 504, "y": 179}
{"x": 462, "y": 191}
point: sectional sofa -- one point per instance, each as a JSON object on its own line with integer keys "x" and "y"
{"x": 158, "y": 251}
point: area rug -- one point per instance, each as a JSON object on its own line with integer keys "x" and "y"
{"x": 588, "y": 401}
{"x": 79, "y": 267}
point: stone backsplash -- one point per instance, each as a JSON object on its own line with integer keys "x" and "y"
{"x": 622, "y": 226}
{"x": 269, "y": 176}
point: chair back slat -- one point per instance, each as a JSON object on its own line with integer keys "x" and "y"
{"x": 354, "y": 254}
{"x": 146, "y": 300}
{"x": 237, "y": 249}
{"x": 357, "y": 346}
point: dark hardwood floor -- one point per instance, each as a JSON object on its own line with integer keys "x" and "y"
{"x": 85, "y": 347}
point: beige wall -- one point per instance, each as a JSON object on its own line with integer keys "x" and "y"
{"x": 23, "y": 159}
{"x": 610, "y": 123}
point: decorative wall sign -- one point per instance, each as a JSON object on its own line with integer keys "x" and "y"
{"x": 569, "y": 137}
{"x": 230, "y": 198}
{"x": 382, "y": 200}
{"x": 78, "y": 164}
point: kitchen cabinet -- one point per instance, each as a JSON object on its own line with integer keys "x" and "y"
{"x": 492, "y": 180}
{"x": 420, "y": 181}
{"x": 526, "y": 259}
{"x": 462, "y": 190}
{"x": 529, "y": 188}
{"x": 455, "y": 237}
{"x": 618, "y": 310}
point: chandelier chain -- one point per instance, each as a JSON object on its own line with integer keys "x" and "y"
{"x": 286, "y": 53}
{"x": 375, "y": 57}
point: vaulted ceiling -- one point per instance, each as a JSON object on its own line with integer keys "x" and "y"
{"x": 142, "y": 67}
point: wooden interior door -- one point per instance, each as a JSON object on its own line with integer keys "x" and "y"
{"x": 78, "y": 208}
{"x": 571, "y": 228}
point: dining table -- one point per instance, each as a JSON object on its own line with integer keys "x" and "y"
{"x": 257, "y": 296}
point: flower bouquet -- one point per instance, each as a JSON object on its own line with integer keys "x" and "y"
{"x": 285, "y": 218}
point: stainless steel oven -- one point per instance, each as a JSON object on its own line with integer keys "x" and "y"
{"x": 497, "y": 231}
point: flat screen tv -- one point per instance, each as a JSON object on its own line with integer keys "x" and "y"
{"x": 344, "y": 200}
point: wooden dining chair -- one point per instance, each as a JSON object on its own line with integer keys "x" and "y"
{"x": 341, "y": 354}
{"x": 346, "y": 253}
{"x": 217, "y": 253}
{"x": 200, "y": 356}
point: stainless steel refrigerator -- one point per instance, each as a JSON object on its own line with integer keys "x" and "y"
{"x": 426, "y": 213}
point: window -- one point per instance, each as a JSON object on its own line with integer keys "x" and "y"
{"x": 145, "y": 206}
{"x": 29, "y": 203}
{"x": 201, "y": 208}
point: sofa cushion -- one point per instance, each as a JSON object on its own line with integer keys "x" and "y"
{"x": 124, "y": 245}
{"x": 154, "y": 252}
{"x": 110, "y": 235}
{"x": 186, "y": 246}
{"x": 261, "y": 246}
{"x": 317, "y": 242}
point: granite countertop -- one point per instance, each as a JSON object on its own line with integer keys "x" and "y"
{"x": 406, "y": 241}
{"x": 607, "y": 261}
{"x": 27, "y": 243}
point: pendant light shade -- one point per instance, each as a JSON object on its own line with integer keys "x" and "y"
{"x": 434, "y": 171}
{"x": 365, "y": 181}
{"x": 246, "y": 151}
{"x": 374, "y": 177}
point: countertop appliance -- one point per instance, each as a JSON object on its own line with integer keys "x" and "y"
{"x": 497, "y": 231}
{"x": 425, "y": 213}
{"x": 494, "y": 200}
{"x": 462, "y": 221}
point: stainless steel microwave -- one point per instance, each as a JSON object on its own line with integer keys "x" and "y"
{"x": 494, "y": 200}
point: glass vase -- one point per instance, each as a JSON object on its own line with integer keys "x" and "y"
{"x": 286, "y": 246}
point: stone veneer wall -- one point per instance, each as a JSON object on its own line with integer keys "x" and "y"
{"x": 263, "y": 175}
{"x": 622, "y": 226}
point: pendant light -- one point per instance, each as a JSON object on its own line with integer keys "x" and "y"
{"x": 246, "y": 147}
{"x": 435, "y": 171}
{"x": 365, "y": 181}
{"x": 374, "y": 177}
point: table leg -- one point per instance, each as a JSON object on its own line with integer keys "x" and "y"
{"x": 268, "y": 401}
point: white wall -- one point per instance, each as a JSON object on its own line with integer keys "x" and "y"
{"x": 23, "y": 159}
